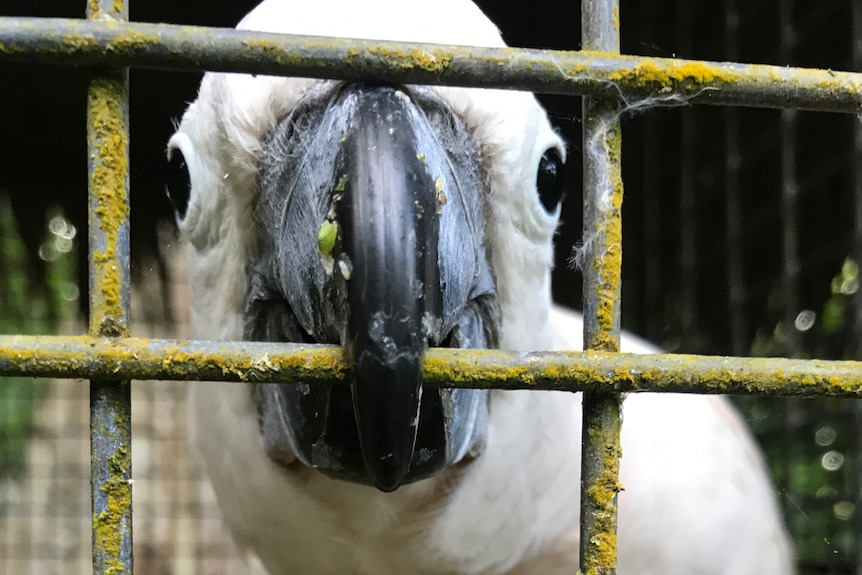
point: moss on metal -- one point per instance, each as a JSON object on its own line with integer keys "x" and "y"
{"x": 108, "y": 185}
{"x": 111, "y": 472}
{"x": 603, "y": 197}
{"x": 101, "y": 10}
{"x": 606, "y": 255}
{"x": 109, "y": 525}
{"x": 131, "y": 40}
{"x": 430, "y": 61}
{"x": 78, "y": 43}
{"x": 601, "y": 467}
{"x": 681, "y": 75}
{"x": 110, "y": 397}
{"x": 459, "y": 370}
{"x": 135, "y": 358}
{"x": 587, "y": 72}
{"x": 275, "y": 52}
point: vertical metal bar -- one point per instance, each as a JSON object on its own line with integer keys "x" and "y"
{"x": 789, "y": 192}
{"x": 857, "y": 255}
{"x": 654, "y": 254}
{"x": 110, "y": 401}
{"x": 734, "y": 248}
{"x": 603, "y": 196}
{"x": 687, "y": 199}
{"x": 789, "y": 245}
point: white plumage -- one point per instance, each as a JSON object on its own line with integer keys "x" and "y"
{"x": 697, "y": 498}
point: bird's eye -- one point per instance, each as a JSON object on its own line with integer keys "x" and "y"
{"x": 549, "y": 180}
{"x": 178, "y": 185}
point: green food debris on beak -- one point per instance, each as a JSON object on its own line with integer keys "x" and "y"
{"x": 326, "y": 236}
{"x": 342, "y": 183}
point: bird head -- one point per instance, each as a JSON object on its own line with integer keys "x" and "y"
{"x": 381, "y": 218}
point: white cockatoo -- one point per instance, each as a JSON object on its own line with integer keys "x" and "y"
{"x": 387, "y": 218}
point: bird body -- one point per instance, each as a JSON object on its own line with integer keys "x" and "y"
{"x": 697, "y": 499}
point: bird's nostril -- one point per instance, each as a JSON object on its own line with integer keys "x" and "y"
{"x": 449, "y": 340}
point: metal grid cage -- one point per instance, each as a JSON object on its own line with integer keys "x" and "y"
{"x": 610, "y": 83}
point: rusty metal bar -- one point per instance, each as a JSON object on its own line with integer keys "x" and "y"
{"x": 110, "y": 397}
{"x": 857, "y": 256}
{"x": 593, "y": 73}
{"x": 650, "y": 190}
{"x": 790, "y": 264}
{"x": 688, "y": 196}
{"x": 137, "y": 358}
{"x": 601, "y": 268}
{"x": 789, "y": 195}
{"x": 734, "y": 253}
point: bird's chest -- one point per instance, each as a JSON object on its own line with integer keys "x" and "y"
{"x": 335, "y": 541}
{"x": 294, "y": 519}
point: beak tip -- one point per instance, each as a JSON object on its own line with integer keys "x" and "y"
{"x": 388, "y": 473}
{"x": 386, "y": 397}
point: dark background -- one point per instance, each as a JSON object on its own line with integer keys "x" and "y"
{"x": 735, "y": 220}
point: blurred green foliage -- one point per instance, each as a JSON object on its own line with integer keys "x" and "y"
{"x": 30, "y": 305}
{"x": 812, "y": 444}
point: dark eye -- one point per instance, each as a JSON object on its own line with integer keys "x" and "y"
{"x": 178, "y": 185}
{"x": 549, "y": 180}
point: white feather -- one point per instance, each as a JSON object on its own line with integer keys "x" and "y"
{"x": 697, "y": 498}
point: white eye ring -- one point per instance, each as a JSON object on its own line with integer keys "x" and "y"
{"x": 181, "y": 189}
{"x": 178, "y": 182}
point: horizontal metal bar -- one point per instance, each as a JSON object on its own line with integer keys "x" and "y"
{"x": 136, "y": 358}
{"x": 636, "y": 80}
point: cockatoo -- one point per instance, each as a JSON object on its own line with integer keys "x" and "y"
{"x": 386, "y": 219}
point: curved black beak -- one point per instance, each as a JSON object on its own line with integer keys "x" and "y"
{"x": 370, "y": 219}
{"x": 390, "y": 235}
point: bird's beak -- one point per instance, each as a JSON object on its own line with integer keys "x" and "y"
{"x": 371, "y": 229}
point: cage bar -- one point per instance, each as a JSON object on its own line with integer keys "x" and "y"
{"x": 733, "y": 240}
{"x": 649, "y": 188}
{"x": 138, "y": 358}
{"x": 110, "y": 398}
{"x": 688, "y": 201}
{"x": 601, "y": 265}
{"x": 857, "y": 254}
{"x": 633, "y": 79}
{"x": 790, "y": 263}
